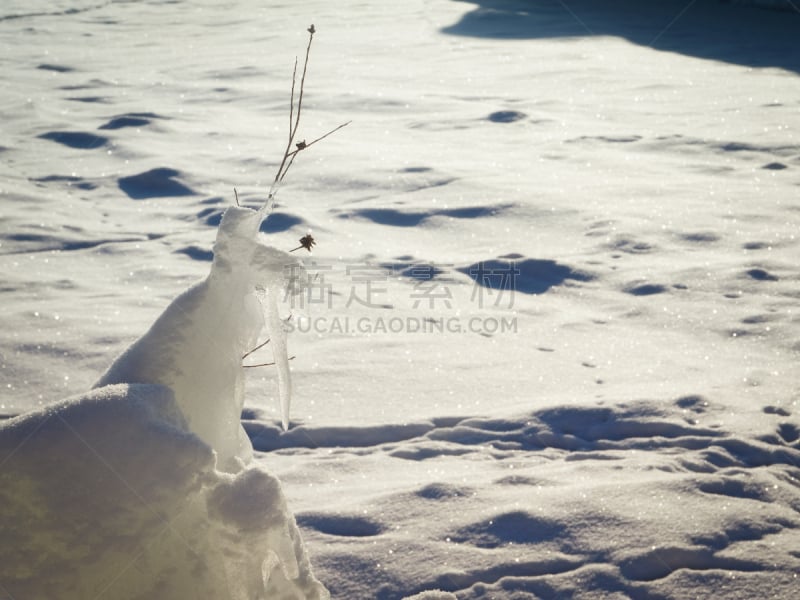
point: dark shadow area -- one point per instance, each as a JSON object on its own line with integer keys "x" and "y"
{"x": 266, "y": 436}
{"x": 761, "y": 275}
{"x": 645, "y": 289}
{"x": 131, "y": 120}
{"x": 506, "y": 116}
{"x": 29, "y": 243}
{"x": 443, "y": 492}
{"x": 339, "y": 525}
{"x": 69, "y": 180}
{"x": 279, "y": 221}
{"x": 55, "y": 68}
{"x": 76, "y": 139}
{"x": 515, "y": 527}
{"x": 710, "y": 29}
{"x": 399, "y": 218}
{"x": 197, "y": 253}
{"x": 529, "y": 276}
{"x": 155, "y": 183}
{"x": 211, "y": 216}
{"x": 276, "y": 222}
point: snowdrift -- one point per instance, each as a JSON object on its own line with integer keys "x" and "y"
{"x": 108, "y": 494}
{"x": 144, "y": 487}
{"x": 636, "y": 436}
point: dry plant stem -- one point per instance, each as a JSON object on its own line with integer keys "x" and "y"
{"x": 300, "y": 146}
{"x": 248, "y": 353}
{"x": 269, "y": 364}
{"x": 288, "y": 159}
{"x": 305, "y": 145}
{"x": 294, "y": 129}
{"x": 294, "y": 119}
{"x": 294, "y": 124}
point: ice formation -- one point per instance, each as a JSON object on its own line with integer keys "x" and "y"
{"x": 145, "y": 487}
{"x": 196, "y": 346}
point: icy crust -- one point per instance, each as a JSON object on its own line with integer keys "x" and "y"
{"x": 108, "y": 495}
{"x": 196, "y": 346}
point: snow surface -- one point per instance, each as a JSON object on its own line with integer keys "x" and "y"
{"x": 631, "y": 167}
{"x": 107, "y": 495}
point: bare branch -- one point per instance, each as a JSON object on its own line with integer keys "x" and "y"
{"x": 292, "y": 131}
{"x": 305, "y": 145}
{"x": 311, "y": 31}
{"x": 285, "y": 156}
{"x": 294, "y": 117}
{"x": 294, "y": 148}
{"x": 291, "y": 105}
{"x": 269, "y": 364}
{"x": 246, "y": 354}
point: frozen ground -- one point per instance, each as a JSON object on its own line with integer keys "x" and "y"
{"x": 633, "y": 170}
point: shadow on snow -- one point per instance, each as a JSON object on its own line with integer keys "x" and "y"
{"x": 709, "y": 29}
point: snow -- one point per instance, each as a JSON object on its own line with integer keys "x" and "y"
{"x": 549, "y": 344}
{"x": 182, "y": 398}
{"x": 196, "y": 346}
{"x": 109, "y": 495}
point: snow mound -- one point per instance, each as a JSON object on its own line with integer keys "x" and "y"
{"x": 145, "y": 487}
{"x": 108, "y": 494}
{"x": 196, "y": 346}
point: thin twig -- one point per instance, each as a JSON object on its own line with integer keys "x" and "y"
{"x": 246, "y": 354}
{"x": 306, "y": 145}
{"x": 292, "y": 148}
{"x": 269, "y": 364}
{"x": 289, "y": 166}
{"x": 235, "y": 193}
{"x": 292, "y": 129}
{"x": 311, "y": 31}
{"x": 291, "y": 106}
{"x": 294, "y": 118}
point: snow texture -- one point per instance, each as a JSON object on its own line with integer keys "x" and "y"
{"x": 632, "y": 166}
{"x": 109, "y": 495}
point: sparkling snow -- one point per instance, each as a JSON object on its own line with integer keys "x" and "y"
{"x": 550, "y": 340}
